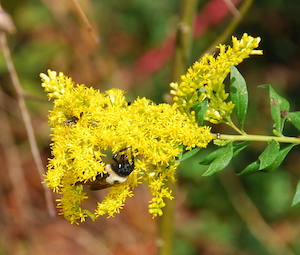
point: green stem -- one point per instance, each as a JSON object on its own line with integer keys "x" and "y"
{"x": 262, "y": 138}
{"x": 183, "y": 38}
{"x": 180, "y": 62}
{"x": 166, "y": 224}
{"x": 232, "y": 125}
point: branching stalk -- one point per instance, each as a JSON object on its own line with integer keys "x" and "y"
{"x": 260, "y": 138}
{"x": 231, "y": 27}
{"x": 232, "y": 125}
{"x": 26, "y": 119}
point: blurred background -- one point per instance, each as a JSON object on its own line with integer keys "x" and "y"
{"x": 130, "y": 47}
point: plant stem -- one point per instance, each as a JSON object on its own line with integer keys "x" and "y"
{"x": 262, "y": 138}
{"x": 231, "y": 27}
{"x": 26, "y": 119}
{"x": 166, "y": 224}
{"x": 85, "y": 20}
{"x": 180, "y": 62}
{"x": 251, "y": 216}
{"x": 183, "y": 38}
{"x": 232, "y": 125}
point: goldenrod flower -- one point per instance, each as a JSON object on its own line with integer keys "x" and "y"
{"x": 205, "y": 79}
{"x": 88, "y": 124}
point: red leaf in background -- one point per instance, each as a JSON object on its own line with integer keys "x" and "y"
{"x": 214, "y": 12}
{"x": 154, "y": 58}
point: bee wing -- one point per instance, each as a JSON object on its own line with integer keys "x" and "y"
{"x": 110, "y": 178}
{"x": 100, "y": 182}
{"x": 100, "y": 185}
{"x": 105, "y": 180}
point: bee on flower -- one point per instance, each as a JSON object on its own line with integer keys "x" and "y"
{"x": 145, "y": 139}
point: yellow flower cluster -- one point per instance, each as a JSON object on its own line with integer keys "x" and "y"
{"x": 88, "y": 125}
{"x": 205, "y": 80}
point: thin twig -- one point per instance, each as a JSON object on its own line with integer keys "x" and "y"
{"x": 15, "y": 172}
{"x": 231, "y": 27}
{"x": 26, "y": 119}
{"x": 85, "y": 20}
{"x": 235, "y": 12}
{"x": 183, "y": 38}
{"x": 251, "y": 216}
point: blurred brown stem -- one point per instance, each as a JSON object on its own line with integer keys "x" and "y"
{"x": 85, "y": 20}
{"x": 231, "y": 27}
{"x": 251, "y": 216}
{"x": 15, "y": 171}
{"x": 26, "y": 118}
{"x": 183, "y": 38}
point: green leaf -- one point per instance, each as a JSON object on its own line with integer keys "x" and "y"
{"x": 212, "y": 156}
{"x": 269, "y": 155}
{"x": 294, "y": 118}
{"x": 281, "y": 156}
{"x": 250, "y": 169}
{"x": 221, "y": 162}
{"x": 200, "y": 110}
{"x": 296, "y": 199}
{"x": 237, "y": 148}
{"x": 189, "y": 154}
{"x": 279, "y": 108}
{"x": 269, "y": 160}
{"x": 238, "y": 95}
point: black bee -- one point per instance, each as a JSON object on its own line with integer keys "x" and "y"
{"x": 116, "y": 173}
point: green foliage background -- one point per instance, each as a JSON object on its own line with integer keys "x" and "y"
{"x": 50, "y": 34}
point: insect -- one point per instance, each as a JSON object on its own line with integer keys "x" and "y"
{"x": 71, "y": 121}
{"x": 116, "y": 172}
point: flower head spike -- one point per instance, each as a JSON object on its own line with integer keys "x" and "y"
{"x": 56, "y": 85}
{"x": 145, "y": 139}
{"x": 205, "y": 80}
